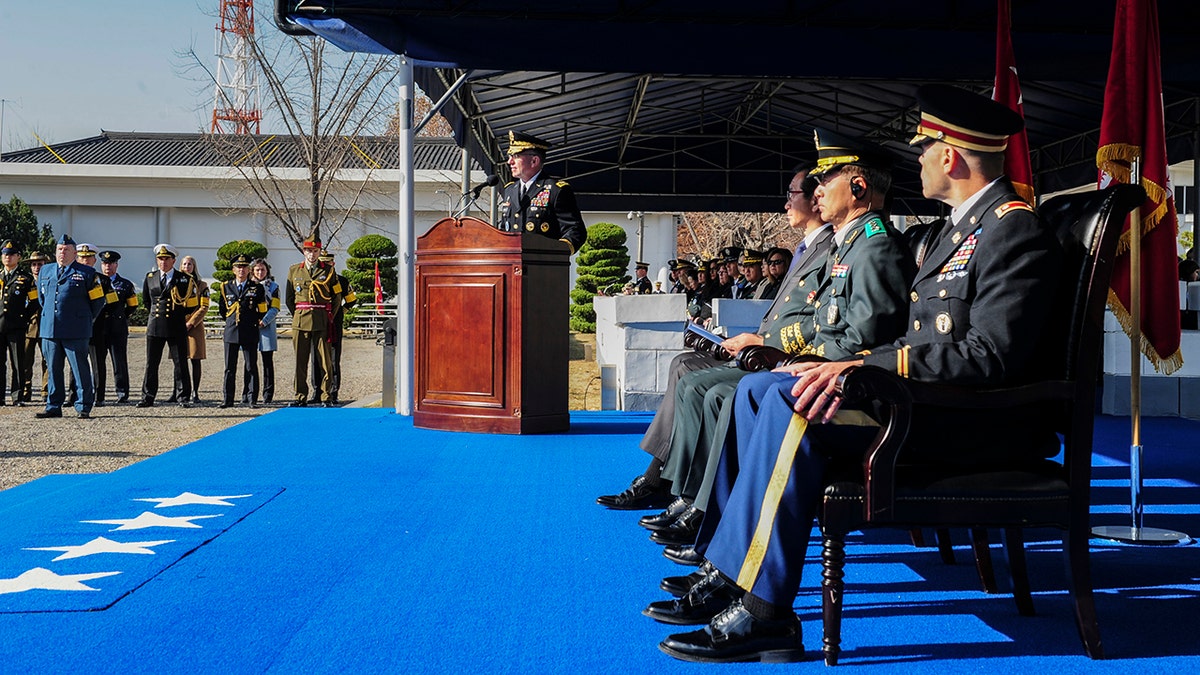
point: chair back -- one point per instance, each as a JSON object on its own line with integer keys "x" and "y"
{"x": 1088, "y": 226}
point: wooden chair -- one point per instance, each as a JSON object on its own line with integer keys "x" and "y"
{"x": 889, "y": 493}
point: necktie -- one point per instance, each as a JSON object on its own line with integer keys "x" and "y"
{"x": 796, "y": 256}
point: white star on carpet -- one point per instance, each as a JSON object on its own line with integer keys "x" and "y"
{"x": 189, "y": 498}
{"x": 102, "y": 545}
{"x": 43, "y": 579}
{"x": 148, "y": 519}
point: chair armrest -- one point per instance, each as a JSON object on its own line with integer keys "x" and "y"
{"x": 761, "y": 357}
{"x": 898, "y": 398}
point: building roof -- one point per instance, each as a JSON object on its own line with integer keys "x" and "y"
{"x": 169, "y": 149}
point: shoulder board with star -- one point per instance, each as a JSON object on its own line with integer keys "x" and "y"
{"x": 562, "y": 183}
{"x": 1015, "y": 205}
{"x": 873, "y": 227}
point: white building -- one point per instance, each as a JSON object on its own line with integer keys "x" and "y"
{"x": 130, "y": 191}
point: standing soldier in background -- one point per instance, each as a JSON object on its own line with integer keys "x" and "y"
{"x": 169, "y": 296}
{"x": 312, "y": 293}
{"x": 196, "y": 344}
{"x": 335, "y": 332}
{"x": 116, "y": 326}
{"x": 98, "y": 345}
{"x": 268, "y": 341}
{"x": 18, "y": 297}
{"x": 241, "y": 302}
{"x": 71, "y": 300}
{"x": 33, "y": 341}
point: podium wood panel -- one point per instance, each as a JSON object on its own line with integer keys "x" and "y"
{"x": 491, "y": 333}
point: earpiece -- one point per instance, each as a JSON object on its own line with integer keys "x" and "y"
{"x": 857, "y": 190}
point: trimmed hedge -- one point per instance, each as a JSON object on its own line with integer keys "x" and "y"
{"x": 600, "y": 264}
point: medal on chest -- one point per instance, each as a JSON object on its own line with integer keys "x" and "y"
{"x": 957, "y": 265}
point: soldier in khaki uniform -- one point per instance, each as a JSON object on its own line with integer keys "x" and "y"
{"x": 313, "y": 291}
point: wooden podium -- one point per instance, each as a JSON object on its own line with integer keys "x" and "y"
{"x": 491, "y": 330}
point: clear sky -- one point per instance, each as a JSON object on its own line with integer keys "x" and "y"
{"x": 69, "y": 68}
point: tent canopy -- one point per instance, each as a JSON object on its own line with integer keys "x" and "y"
{"x": 704, "y": 105}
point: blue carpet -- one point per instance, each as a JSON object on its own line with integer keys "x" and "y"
{"x": 349, "y": 541}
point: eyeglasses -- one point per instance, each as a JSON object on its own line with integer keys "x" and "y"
{"x": 778, "y": 261}
{"x": 787, "y": 194}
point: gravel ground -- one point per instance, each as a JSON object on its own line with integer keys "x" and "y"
{"x": 117, "y": 436}
{"x": 120, "y": 435}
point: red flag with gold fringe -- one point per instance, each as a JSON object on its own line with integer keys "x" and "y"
{"x": 1007, "y": 90}
{"x": 1132, "y": 128}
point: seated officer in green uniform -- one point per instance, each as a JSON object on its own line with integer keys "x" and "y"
{"x": 856, "y": 300}
{"x": 533, "y": 202}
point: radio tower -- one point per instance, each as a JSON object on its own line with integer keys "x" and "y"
{"x": 236, "y": 109}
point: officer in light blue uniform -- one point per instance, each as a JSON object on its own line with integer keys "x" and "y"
{"x": 72, "y": 298}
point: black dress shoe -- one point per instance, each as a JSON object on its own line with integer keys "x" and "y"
{"x": 174, "y": 399}
{"x": 327, "y": 404}
{"x": 252, "y": 405}
{"x": 299, "y": 403}
{"x": 314, "y": 400}
{"x": 85, "y": 416}
{"x": 679, "y": 586}
{"x": 144, "y": 403}
{"x": 736, "y": 635}
{"x": 705, "y": 600}
{"x": 639, "y": 495}
{"x": 662, "y": 520}
{"x": 121, "y": 400}
{"x": 225, "y": 404}
{"x": 47, "y": 414}
{"x": 681, "y": 532}
{"x": 184, "y": 404}
{"x": 684, "y": 555}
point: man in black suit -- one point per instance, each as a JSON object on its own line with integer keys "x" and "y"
{"x": 647, "y": 490}
{"x": 169, "y": 295}
{"x": 536, "y": 203}
{"x": 242, "y": 303}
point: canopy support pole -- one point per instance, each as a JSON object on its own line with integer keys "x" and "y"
{"x": 406, "y": 240}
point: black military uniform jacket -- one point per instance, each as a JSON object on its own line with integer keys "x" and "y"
{"x": 977, "y": 309}
{"x": 548, "y": 208}
{"x": 111, "y": 302}
{"x": 18, "y": 300}
{"x": 643, "y": 286}
{"x": 168, "y": 306}
{"x": 116, "y": 315}
{"x": 857, "y": 299}
{"x": 242, "y": 310}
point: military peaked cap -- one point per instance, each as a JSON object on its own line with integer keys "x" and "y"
{"x": 520, "y": 142}
{"x": 109, "y": 256}
{"x": 960, "y": 118}
{"x": 835, "y": 149}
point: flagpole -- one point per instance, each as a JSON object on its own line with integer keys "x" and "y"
{"x": 1136, "y": 533}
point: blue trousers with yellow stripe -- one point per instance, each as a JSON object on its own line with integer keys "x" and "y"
{"x": 769, "y": 484}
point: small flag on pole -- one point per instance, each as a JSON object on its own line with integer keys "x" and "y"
{"x": 378, "y": 290}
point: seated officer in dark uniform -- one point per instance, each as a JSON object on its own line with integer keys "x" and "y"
{"x": 978, "y": 303}
{"x": 241, "y": 302}
{"x": 536, "y": 203}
